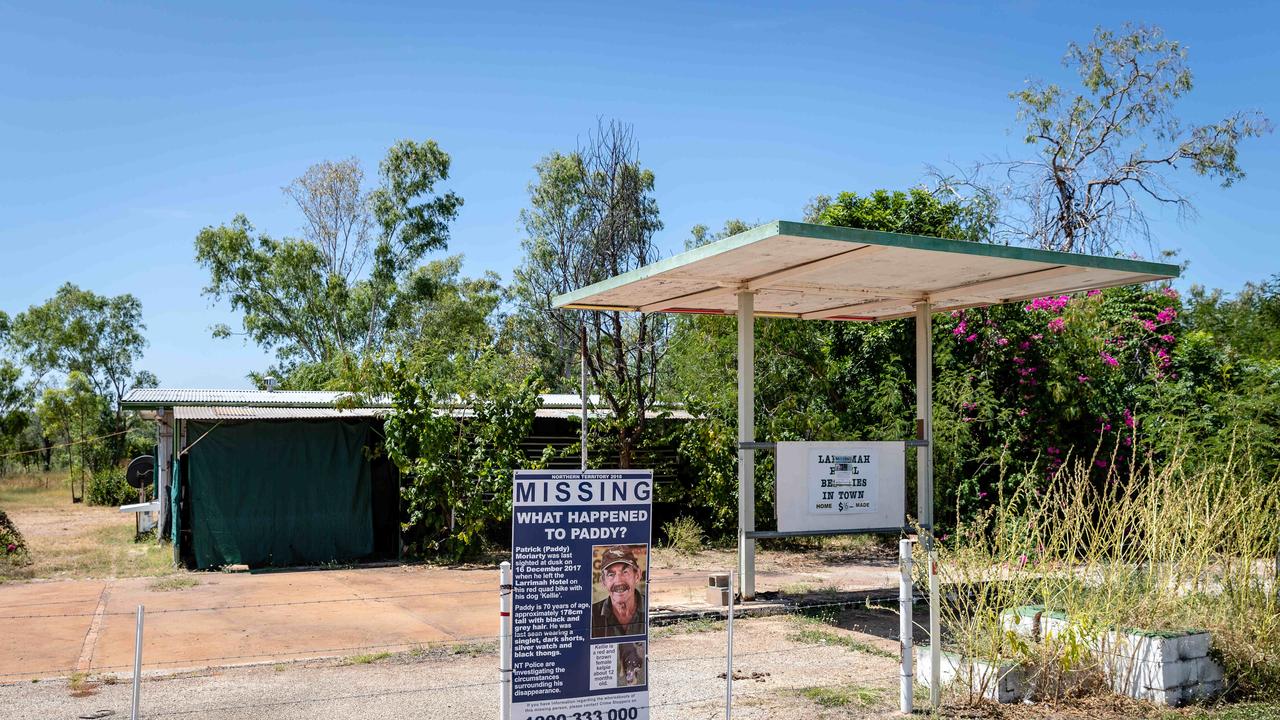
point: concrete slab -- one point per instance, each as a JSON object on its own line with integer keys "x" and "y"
{"x": 232, "y": 618}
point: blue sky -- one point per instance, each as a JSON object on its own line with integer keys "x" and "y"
{"x": 125, "y": 128}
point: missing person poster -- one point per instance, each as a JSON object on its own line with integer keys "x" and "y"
{"x": 580, "y": 623}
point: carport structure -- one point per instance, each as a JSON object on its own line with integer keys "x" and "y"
{"x": 820, "y": 272}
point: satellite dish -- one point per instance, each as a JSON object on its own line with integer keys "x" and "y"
{"x": 140, "y": 471}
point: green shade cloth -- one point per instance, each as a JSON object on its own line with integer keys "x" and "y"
{"x": 279, "y": 493}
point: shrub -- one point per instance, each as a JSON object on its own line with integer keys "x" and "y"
{"x": 684, "y": 535}
{"x": 107, "y": 487}
{"x": 13, "y": 548}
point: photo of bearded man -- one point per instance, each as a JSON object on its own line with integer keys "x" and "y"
{"x": 621, "y": 611}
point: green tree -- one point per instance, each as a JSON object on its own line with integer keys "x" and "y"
{"x": 458, "y": 464}
{"x": 332, "y": 297}
{"x": 75, "y": 415}
{"x": 79, "y": 331}
{"x": 15, "y": 399}
{"x": 1107, "y": 151}
{"x": 592, "y": 216}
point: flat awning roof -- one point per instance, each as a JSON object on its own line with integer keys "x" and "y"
{"x": 823, "y": 272}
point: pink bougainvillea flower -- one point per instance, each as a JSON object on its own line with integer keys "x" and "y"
{"x": 1108, "y": 359}
{"x": 971, "y": 338}
{"x": 1056, "y": 324}
{"x": 1167, "y": 338}
{"x": 981, "y": 495}
{"x": 1093, "y": 293}
{"x": 959, "y": 330}
{"x": 1051, "y": 450}
{"x": 1082, "y": 378}
{"x": 1166, "y": 315}
{"x": 1170, "y": 293}
{"x": 1128, "y": 418}
{"x": 1100, "y": 463}
{"x": 1149, "y": 325}
{"x": 1002, "y": 342}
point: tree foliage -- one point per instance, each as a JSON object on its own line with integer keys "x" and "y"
{"x": 458, "y": 463}
{"x": 80, "y": 331}
{"x": 1105, "y": 154}
{"x": 335, "y": 294}
{"x": 592, "y": 216}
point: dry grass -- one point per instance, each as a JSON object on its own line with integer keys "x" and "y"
{"x": 74, "y": 541}
{"x": 1187, "y": 544}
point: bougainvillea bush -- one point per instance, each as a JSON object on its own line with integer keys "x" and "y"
{"x": 1033, "y": 383}
{"x": 13, "y": 549}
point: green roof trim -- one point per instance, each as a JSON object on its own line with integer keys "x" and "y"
{"x": 868, "y": 237}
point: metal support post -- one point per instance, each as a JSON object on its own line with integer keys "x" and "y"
{"x": 136, "y": 711}
{"x": 728, "y": 655}
{"x": 746, "y": 433}
{"x": 924, "y": 484}
{"x": 505, "y": 590}
{"x": 905, "y": 623}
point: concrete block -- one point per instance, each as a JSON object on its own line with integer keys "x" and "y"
{"x": 718, "y": 596}
{"x": 1003, "y": 682}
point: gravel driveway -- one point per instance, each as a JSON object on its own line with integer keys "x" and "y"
{"x": 785, "y": 668}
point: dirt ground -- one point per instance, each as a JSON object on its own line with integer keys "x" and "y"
{"x": 74, "y": 541}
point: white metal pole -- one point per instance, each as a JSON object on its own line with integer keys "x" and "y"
{"x": 905, "y": 624}
{"x": 505, "y": 591}
{"x": 728, "y": 655}
{"x": 136, "y": 711}
{"x": 935, "y": 637}
{"x": 746, "y": 433}
{"x": 924, "y": 484}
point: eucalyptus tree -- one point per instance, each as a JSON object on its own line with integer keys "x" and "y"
{"x": 591, "y": 216}
{"x": 79, "y": 331}
{"x": 332, "y": 297}
{"x": 1105, "y": 154}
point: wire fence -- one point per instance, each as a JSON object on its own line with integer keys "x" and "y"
{"x": 202, "y": 666}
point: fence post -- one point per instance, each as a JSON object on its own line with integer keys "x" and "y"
{"x": 505, "y": 590}
{"x": 728, "y": 655}
{"x": 905, "y": 627}
{"x": 136, "y": 712}
{"x": 935, "y": 631}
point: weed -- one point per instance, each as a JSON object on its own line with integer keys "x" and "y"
{"x": 177, "y": 582}
{"x": 813, "y": 631}
{"x": 684, "y": 535}
{"x": 689, "y": 627}
{"x": 80, "y": 685}
{"x": 1187, "y": 543}
{"x": 842, "y": 696}
{"x": 367, "y": 658}
{"x": 474, "y": 649}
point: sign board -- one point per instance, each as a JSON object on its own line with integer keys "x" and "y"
{"x": 841, "y": 485}
{"x": 580, "y": 620}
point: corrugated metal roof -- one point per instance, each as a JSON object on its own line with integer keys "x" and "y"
{"x": 301, "y": 404}
{"x": 229, "y": 412}
{"x": 153, "y": 397}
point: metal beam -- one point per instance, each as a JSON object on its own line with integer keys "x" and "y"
{"x": 770, "y": 279}
{"x": 866, "y": 307}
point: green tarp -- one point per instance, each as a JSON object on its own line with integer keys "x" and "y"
{"x": 279, "y": 493}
